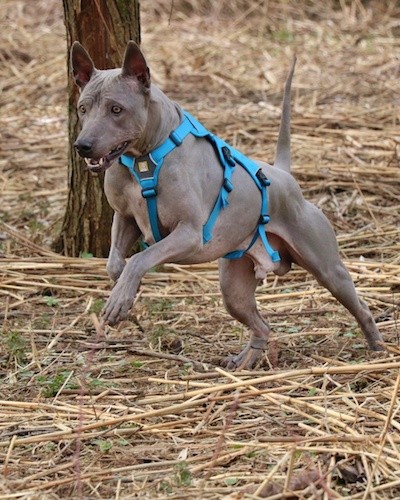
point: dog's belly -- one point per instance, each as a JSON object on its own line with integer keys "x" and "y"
{"x": 257, "y": 253}
{"x": 213, "y": 250}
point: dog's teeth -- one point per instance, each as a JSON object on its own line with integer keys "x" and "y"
{"x": 101, "y": 161}
{"x": 91, "y": 162}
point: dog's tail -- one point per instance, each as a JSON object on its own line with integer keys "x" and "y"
{"x": 282, "y": 156}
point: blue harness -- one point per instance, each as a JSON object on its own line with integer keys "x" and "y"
{"x": 146, "y": 170}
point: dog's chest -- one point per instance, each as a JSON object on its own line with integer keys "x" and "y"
{"x": 124, "y": 195}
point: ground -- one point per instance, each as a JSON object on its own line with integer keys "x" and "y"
{"x": 145, "y": 410}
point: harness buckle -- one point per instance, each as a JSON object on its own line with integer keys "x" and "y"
{"x": 175, "y": 138}
{"x": 228, "y": 186}
{"x": 263, "y": 178}
{"x": 149, "y": 192}
{"x": 264, "y": 219}
{"x": 228, "y": 156}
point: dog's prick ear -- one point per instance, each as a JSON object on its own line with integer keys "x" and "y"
{"x": 135, "y": 64}
{"x": 82, "y": 65}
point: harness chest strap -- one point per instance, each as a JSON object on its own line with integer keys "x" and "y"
{"x": 146, "y": 170}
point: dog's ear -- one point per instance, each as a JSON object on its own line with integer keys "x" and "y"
{"x": 82, "y": 65}
{"x": 135, "y": 65}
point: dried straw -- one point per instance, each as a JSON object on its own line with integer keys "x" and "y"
{"x": 143, "y": 410}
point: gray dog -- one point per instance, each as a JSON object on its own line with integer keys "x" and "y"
{"x": 207, "y": 202}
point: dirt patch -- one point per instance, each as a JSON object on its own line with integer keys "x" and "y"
{"x": 144, "y": 411}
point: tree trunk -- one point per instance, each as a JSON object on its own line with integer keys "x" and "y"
{"x": 103, "y": 27}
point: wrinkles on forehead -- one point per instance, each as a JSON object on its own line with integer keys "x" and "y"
{"x": 109, "y": 84}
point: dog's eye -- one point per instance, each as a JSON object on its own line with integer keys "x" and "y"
{"x": 116, "y": 110}
{"x": 82, "y": 108}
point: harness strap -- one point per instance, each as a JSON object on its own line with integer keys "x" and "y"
{"x": 147, "y": 168}
{"x": 146, "y": 171}
{"x": 228, "y": 163}
{"x": 262, "y": 183}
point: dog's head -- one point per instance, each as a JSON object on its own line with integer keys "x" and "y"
{"x": 112, "y": 108}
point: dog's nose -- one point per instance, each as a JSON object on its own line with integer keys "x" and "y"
{"x": 84, "y": 146}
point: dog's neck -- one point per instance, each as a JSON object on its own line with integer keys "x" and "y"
{"x": 164, "y": 116}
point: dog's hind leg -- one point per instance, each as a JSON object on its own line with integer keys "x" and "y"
{"x": 316, "y": 250}
{"x": 338, "y": 281}
{"x": 238, "y": 284}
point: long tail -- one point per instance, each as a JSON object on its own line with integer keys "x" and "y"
{"x": 282, "y": 157}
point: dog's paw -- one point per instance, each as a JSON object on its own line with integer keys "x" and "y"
{"x": 246, "y": 360}
{"x": 120, "y": 301}
{"x": 116, "y": 309}
{"x": 229, "y": 363}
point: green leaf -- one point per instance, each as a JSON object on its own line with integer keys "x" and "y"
{"x": 231, "y": 481}
{"x": 137, "y": 364}
{"x": 97, "y": 306}
{"x": 184, "y": 474}
{"x": 15, "y": 344}
{"x": 103, "y": 445}
{"x": 86, "y": 255}
{"x": 51, "y": 301}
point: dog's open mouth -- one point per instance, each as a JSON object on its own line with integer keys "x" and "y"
{"x": 100, "y": 164}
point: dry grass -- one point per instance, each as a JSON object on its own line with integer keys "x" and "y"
{"x": 142, "y": 411}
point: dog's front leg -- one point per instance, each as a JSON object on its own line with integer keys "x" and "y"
{"x": 185, "y": 240}
{"x": 124, "y": 234}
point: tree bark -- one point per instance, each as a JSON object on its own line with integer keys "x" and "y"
{"x": 103, "y": 27}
